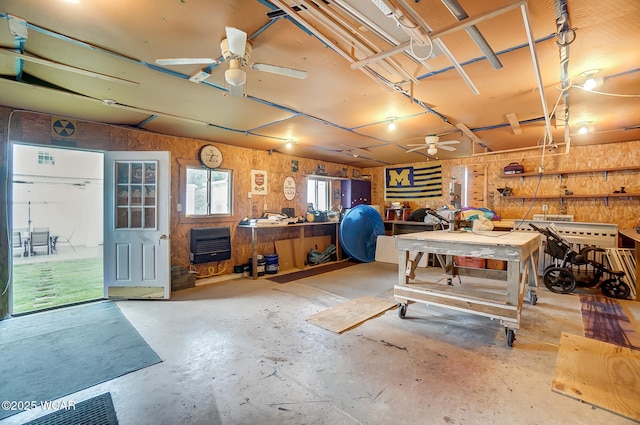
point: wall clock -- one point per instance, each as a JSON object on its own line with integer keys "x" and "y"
{"x": 210, "y": 156}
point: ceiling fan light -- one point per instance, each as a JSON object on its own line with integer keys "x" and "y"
{"x": 432, "y": 150}
{"x": 235, "y": 76}
{"x": 590, "y": 84}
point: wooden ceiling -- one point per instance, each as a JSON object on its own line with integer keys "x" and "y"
{"x": 66, "y": 58}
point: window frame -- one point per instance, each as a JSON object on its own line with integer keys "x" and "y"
{"x": 185, "y": 165}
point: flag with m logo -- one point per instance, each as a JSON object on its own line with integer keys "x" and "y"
{"x": 413, "y": 183}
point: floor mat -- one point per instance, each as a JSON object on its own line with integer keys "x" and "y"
{"x": 98, "y": 410}
{"x": 350, "y": 314}
{"x": 67, "y": 350}
{"x": 602, "y": 374}
{"x": 312, "y": 271}
{"x": 604, "y": 319}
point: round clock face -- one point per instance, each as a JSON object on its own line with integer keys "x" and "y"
{"x": 210, "y": 156}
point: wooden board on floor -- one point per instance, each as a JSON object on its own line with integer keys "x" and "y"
{"x": 350, "y": 314}
{"x": 602, "y": 374}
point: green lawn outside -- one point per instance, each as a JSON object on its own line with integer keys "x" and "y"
{"x": 38, "y": 286}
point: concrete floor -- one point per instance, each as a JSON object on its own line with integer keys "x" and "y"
{"x": 241, "y": 352}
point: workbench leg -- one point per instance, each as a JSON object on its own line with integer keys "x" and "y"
{"x": 403, "y": 263}
{"x": 254, "y": 253}
{"x": 515, "y": 284}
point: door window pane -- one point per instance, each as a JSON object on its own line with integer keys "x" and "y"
{"x": 135, "y": 188}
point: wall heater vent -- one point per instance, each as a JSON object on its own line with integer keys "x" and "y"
{"x": 210, "y": 244}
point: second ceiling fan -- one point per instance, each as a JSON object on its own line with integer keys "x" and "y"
{"x": 236, "y": 50}
{"x": 432, "y": 144}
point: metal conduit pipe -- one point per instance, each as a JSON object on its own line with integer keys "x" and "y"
{"x": 473, "y": 31}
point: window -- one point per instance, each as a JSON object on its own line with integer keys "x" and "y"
{"x": 208, "y": 192}
{"x": 319, "y": 193}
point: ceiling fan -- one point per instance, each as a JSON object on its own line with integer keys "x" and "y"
{"x": 432, "y": 144}
{"x": 235, "y": 50}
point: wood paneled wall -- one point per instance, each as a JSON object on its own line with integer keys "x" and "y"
{"x": 623, "y": 211}
{"x": 35, "y": 128}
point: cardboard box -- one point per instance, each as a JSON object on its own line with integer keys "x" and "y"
{"x": 476, "y": 263}
{"x": 497, "y": 264}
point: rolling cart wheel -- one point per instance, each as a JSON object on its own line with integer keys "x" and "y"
{"x": 533, "y": 297}
{"x": 402, "y": 310}
{"x": 559, "y": 280}
{"x": 615, "y": 288}
{"x": 510, "y": 336}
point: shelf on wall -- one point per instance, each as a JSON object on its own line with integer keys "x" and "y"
{"x": 606, "y": 197}
{"x": 560, "y": 173}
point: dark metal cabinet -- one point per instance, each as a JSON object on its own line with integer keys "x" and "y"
{"x": 355, "y": 192}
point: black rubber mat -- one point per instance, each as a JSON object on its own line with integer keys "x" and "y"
{"x": 313, "y": 271}
{"x": 98, "y": 410}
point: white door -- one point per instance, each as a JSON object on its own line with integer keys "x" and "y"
{"x": 136, "y": 225}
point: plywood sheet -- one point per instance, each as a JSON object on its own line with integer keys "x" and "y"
{"x": 604, "y": 319}
{"x": 386, "y": 251}
{"x": 284, "y": 249}
{"x": 602, "y": 374}
{"x": 350, "y": 314}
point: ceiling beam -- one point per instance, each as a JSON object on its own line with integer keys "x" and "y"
{"x": 514, "y": 123}
{"x": 440, "y": 33}
{"x": 40, "y": 61}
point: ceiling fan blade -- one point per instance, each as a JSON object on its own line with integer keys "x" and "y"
{"x": 446, "y": 148}
{"x": 416, "y": 149}
{"x": 448, "y": 142}
{"x": 237, "y": 40}
{"x": 186, "y": 61}
{"x": 280, "y": 70}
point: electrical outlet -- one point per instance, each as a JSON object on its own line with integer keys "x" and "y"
{"x": 179, "y": 207}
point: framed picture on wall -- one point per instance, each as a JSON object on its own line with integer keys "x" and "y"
{"x": 356, "y": 174}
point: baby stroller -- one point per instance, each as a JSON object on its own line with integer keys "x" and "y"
{"x": 562, "y": 278}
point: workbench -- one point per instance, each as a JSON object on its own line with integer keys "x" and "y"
{"x": 518, "y": 249}
{"x": 255, "y": 230}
